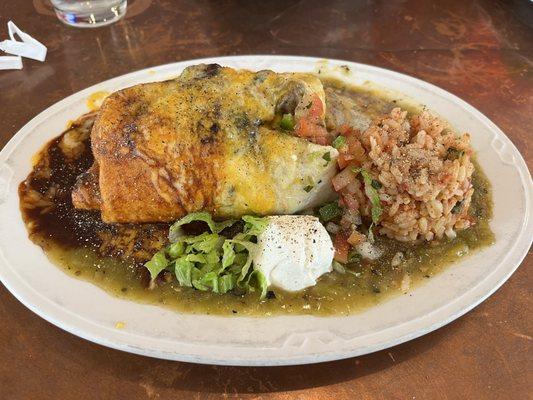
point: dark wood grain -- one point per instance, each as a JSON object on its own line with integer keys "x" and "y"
{"x": 480, "y": 50}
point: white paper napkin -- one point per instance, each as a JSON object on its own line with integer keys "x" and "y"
{"x": 10, "y": 62}
{"x": 27, "y": 47}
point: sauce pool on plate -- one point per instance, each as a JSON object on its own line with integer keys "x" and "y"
{"x": 112, "y": 256}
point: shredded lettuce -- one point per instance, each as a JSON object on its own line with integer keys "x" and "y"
{"x": 157, "y": 264}
{"x": 228, "y": 255}
{"x": 215, "y": 227}
{"x": 226, "y": 283}
{"x": 372, "y": 193}
{"x": 206, "y": 243}
{"x": 251, "y": 248}
{"x": 255, "y": 281}
{"x": 176, "y": 249}
{"x": 254, "y": 225}
{"x": 210, "y": 261}
{"x": 183, "y": 271}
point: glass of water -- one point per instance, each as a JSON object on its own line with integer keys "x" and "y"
{"x": 89, "y": 13}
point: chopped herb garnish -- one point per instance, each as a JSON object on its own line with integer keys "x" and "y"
{"x": 339, "y": 142}
{"x": 457, "y": 207}
{"x": 315, "y": 155}
{"x": 330, "y": 211}
{"x": 453, "y": 154}
{"x": 327, "y": 156}
{"x": 287, "y": 122}
{"x": 308, "y": 188}
{"x": 376, "y": 184}
{"x": 354, "y": 257}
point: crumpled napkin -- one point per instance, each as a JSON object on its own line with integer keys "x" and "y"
{"x": 10, "y": 62}
{"x": 27, "y": 47}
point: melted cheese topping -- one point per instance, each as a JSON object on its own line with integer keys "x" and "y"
{"x": 95, "y": 100}
{"x": 205, "y": 141}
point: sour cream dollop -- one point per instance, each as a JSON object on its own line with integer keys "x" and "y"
{"x": 293, "y": 251}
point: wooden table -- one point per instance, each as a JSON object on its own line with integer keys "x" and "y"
{"x": 481, "y": 51}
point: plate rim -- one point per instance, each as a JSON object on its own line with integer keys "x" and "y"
{"x": 519, "y": 254}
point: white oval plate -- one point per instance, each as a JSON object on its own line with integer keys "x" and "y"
{"x": 87, "y": 311}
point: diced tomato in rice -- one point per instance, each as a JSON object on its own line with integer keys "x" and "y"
{"x": 311, "y": 127}
{"x": 342, "y": 247}
{"x": 342, "y": 179}
{"x": 346, "y": 184}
